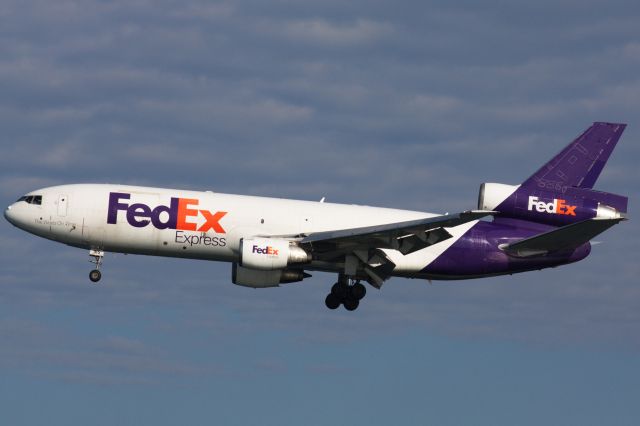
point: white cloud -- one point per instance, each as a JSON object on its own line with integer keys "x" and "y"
{"x": 329, "y": 33}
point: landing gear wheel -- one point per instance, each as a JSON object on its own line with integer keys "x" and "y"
{"x": 332, "y": 301}
{"x": 339, "y": 290}
{"x": 351, "y": 304}
{"x": 97, "y": 256}
{"x": 95, "y": 275}
{"x": 358, "y": 291}
{"x": 348, "y": 291}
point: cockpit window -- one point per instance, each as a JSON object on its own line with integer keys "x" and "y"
{"x": 31, "y": 199}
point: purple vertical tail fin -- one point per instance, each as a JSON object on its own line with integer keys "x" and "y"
{"x": 561, "y": 192}
{"x": 580, "y": 163}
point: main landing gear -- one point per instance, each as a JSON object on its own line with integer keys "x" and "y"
{"x": 346, "y": 292}
{"x": 97, "y": 256}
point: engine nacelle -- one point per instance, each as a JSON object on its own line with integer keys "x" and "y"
{"x": 268, "y": 254}
{"x": 493, "y": 194}
{"x": 256, "y": 278}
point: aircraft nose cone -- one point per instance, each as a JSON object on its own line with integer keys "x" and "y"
{"x": 8, "y": 214}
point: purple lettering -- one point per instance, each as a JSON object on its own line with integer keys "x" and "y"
{"x": 172, "y": 211}
{"x": 114, "y": 205}
{"x": 265, "y": 250}
{"x": 138, "y": 210}
{"x": 140, "y": 215}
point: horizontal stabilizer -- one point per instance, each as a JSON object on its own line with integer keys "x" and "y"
{"x": 566, "y": 237}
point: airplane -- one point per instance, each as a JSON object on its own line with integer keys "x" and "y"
{"x": 546, "y": 221}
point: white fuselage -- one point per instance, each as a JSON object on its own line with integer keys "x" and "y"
{"x": 198, "y": 225}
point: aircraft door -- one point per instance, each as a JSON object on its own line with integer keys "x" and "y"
{"x": 63, "y": 201}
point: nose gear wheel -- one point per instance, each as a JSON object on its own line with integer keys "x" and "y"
{"x": 97, "y": 256}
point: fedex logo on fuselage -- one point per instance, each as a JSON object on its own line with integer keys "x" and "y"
{"x": 265, "y": 250}
{"x": 556, "y": 206}
{"x": 180, "y": 214}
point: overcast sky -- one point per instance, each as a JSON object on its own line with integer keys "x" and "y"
{"x": 408, "y": 104}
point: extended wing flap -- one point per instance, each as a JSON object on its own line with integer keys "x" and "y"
{"x": 566, "y": 237}
{"x": 406, "y": 237}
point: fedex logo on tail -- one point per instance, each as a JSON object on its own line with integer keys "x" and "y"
{"x": 556, "y": 206}
{"x": 181, "y": 214}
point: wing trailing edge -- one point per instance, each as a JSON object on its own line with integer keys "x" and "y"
{"x": 406, "y": 237}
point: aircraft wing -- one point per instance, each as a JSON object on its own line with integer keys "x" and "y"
{"x": 406, "y": 237}
{"x": 566, "y": 237}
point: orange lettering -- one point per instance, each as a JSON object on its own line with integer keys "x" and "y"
{"x": 561, "y": 206}
{"x": 212, "y": 222}
{"x": 184, "y": 212}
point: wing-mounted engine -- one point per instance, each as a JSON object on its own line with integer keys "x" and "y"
{"x": 257, "y": 278}
{"x": 269, "y": 262}
{"x": 268, "y": 254}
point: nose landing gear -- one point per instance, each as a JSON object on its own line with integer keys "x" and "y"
{"x": 346, "y": 292}
{"x": 97, "y": 256}
{"x": 95, "y": 275}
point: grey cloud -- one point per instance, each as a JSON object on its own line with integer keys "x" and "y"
{"x": 43, "y": 351}
{"x": 409, "y": 106}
